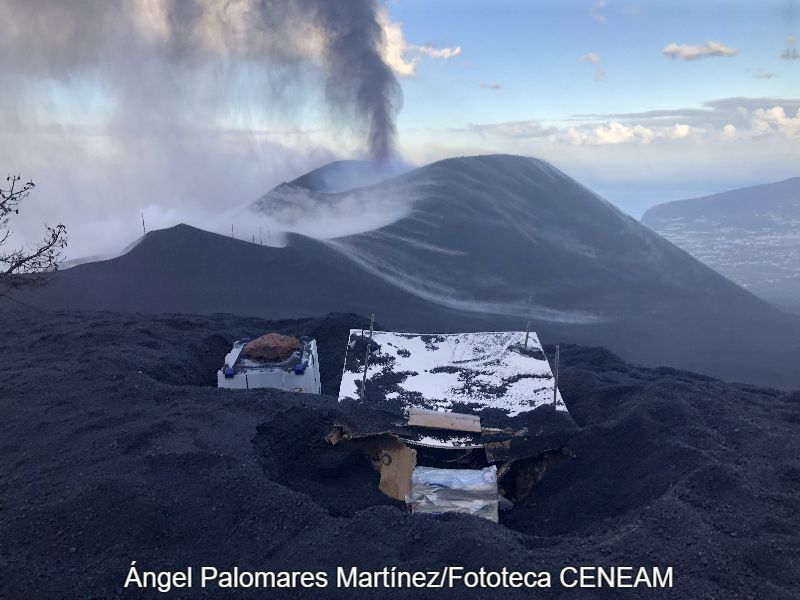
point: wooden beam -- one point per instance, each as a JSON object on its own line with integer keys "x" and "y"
{"x": 434, "y": 419}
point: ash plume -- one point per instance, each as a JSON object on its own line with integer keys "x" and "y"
{"x": 167, "y": 61}
{"x": 358, "y": 75}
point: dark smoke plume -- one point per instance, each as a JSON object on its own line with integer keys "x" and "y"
{"x": 154, "y": 56}
{"x": 357, "y": 73}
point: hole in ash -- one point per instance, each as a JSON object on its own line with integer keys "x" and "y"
{"x": 192, "y": 362}
{"x": 636, "y": 447}
{"x": 196, "y": 347}
{"x": 292, "y": 451}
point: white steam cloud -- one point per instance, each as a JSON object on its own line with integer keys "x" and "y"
{"x": 114, "y": 106}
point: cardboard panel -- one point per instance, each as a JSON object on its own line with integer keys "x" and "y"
{"x": 397, "y": 463}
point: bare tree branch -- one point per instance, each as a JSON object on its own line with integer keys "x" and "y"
{"x": 29, "y": 265}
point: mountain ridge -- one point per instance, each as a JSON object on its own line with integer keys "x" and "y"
{"x": 487, "y": 242}
{"x": 730, "y": 199}
{"x": 750, "y": 235}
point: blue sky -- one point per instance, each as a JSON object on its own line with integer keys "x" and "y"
{"x": 531, "y": 53}
{"x": 533, "y": 50}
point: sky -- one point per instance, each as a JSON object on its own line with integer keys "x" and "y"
{"x": 578, "y": 83}
{"x": 187, "y": 110}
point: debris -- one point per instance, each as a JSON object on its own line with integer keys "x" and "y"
{"x": 394, "y": 453}
{"x": 660, "y": 453}
{"x": 520, "y": 475}
{"x": 443, "y": 420}
{"x": 471, "y": 491}
{"x": 423, "y": 377}
{"x": 392, "y": 458}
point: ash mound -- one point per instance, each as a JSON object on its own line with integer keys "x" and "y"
{"x": 342, "y": 175}
{"x": 116, "y": 448}
{"x": 475, "y": 243}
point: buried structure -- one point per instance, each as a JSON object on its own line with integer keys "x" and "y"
{"x": 441, "y": 454}
{"x": 272, "y": 361}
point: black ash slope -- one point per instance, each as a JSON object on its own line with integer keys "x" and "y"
{"x": 347, "y": 174}
{"x": 489, "y": 242}
{"x": 184, "y": 269}
{"x": 113, "y": 450}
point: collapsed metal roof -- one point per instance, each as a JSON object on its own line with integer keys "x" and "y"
{"x": 435, "y": 380}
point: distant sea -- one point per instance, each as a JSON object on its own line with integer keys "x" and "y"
{"x": 636, "y": 198}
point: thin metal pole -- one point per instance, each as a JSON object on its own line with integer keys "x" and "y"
{"x": 143, "y": 227}
{"x": 527, "y": 333}
{"x": 260, "y": 237}
{"x": 366, "y": 358}
{"x": 555, "y": 379}
{"x": 231, "y": 229}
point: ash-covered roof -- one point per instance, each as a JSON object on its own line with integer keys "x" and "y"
{"x": 241, "y": 364}
{"x": 451, "y": 371}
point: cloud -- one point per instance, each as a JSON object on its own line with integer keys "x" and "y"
{"x": 679, "y": 131}
{"x": 688, "y": 52}
{"x": 790, "y": 53}
{"x": 585, "y": 134}
{"x": 774, "y": 121}
{"x": 739, "y": 103}
{"x": 512, "y": 129}
{"x": 443, "y": 53}
{"x": 713, "y": 112}
{"x": 723, "y": 119}
{"x": 758, "y": 118}
{"x": 613, "y": 133}
{"x": 395, "y": 49}
{"x": 748, "y": 118}
{"x": 649, "y": 115}
{"x": 403, "y": 57}
{"x": 88, "y": 178}
{"x": 490, "y": 86}
{"x": 318, "y": 215}
{"x": 598, "y": 16}
{"x": 619, "y": 133}
{"x": 594, "y": 59}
